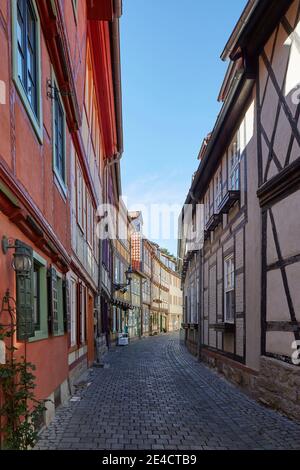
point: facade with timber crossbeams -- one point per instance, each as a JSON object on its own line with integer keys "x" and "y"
{"x": 241, "y": 285}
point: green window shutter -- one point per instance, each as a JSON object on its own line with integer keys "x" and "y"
{"x": 53, "y": 301}
{"x": 66, "y": 306}
{"x": 24, "y": 297}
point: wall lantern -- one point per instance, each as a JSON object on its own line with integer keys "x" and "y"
{"x": 129, "y": 274}
{"x": 123, "y": 287}
{"x": 22, "y": 258}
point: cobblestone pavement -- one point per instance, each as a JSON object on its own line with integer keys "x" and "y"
{"x": 154, "y": 395}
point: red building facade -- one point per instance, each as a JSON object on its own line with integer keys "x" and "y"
{"x": 60, "y": 122}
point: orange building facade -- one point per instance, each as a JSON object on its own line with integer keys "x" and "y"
{"x": 60, "y": 123}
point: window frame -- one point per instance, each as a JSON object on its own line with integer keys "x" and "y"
{"x": 229, "y": 275}
{"x": 218, "y": 189}
{"x": 74, "y": 325}
{"x": 36, "y": 118}
{"x": 60, "y": 305}
{"x": 62, "y": 182}
{"x": 207, "y": 207}
{"x": 83, "y": 309}
{"x": 42, "y": 332}
{"x": 234, "y": 161}
{"x": 75, "y": 9}
{"x": 36, "y": 295}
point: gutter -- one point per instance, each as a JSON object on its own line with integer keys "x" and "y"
{"x": 218, "y": 126}
{"x": 240, "y": 26}
{"x": 116, "y": 66}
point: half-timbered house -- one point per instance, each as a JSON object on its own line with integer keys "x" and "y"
{"x": 248, "y": 270}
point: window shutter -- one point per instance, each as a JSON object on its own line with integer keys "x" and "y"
{"x": 24, "y": 297}
{"x": 53, "y": 301}
{"x": 67, "y": 306}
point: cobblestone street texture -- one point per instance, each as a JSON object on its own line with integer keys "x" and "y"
{"x": 154, "y": 395}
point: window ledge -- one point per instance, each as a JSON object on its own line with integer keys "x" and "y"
{"x": 226, "y": 327}
{"x": 39, "y": 336}
{"x": 61, "y": 186}
{"x": 230, "y": 198}
{"x": 213, "y": 222}
{"x": 58, "y": 334}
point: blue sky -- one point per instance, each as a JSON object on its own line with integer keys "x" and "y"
{"x": 171, "y": 77}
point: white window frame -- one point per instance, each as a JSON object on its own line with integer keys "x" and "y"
{"x": 234, "y": 156}
{"x": 218, "y": 197}
{"x": 207, "y": 208}
{"x": 73, "y": 312}
{"x": 229, "y": 283}
{"x": 80, "y": 191}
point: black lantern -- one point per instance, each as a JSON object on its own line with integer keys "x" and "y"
{"x": 129, "y": 274}
{"x": 123, "y": 287}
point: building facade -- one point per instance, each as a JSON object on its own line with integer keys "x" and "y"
{"x": 240, "y": 294}
{"x": 146, "y": 285}
{"x": 121, "y": 312}
{"x": 175, "y": 302}
{"x": 60, "y": 122}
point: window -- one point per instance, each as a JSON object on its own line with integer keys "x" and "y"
{"x": 117, "y": 270}
{"x": 206, "y": 205}
{"x": 75, "y": 5}
{"x": 73, "y": 312}
{"x": 26, "y": 59}
{"x": 31, "y": 298}
{"x": 229, "y": 289}
{"x": 83, "y": 313}
{"x": 59, "y": 139}
{"x": 91, "y": 132}
{"x": 234, "y": 161}
{"x": 56, "y": 302}
{"x": 40, "y": 304}
{"x": 36, "y": 296}
{"x": 218, "y": 199}
{"x": 80, "y": 197}
{"x": 90, "y": 222}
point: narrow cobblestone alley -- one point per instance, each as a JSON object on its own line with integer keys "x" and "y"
{"x": 154, "y": 395}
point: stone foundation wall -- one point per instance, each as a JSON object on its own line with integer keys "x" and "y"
{"x": 235, "y": 372}
{"x": 278, "y": 386}
{"x": 76, "y": 372}
{"x": 64, "y": 395}
{"x": 192, "y": 341}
